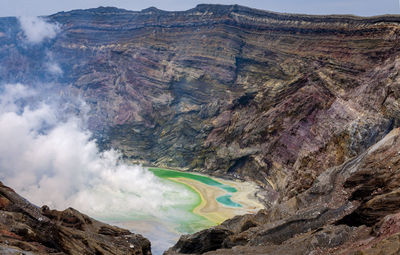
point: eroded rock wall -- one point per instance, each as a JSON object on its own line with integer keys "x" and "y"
{"x": 233, "y": 91}
{"x": 350, "y": 209}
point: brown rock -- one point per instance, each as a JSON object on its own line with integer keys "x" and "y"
{"x": 342, "y": 213}
{"x": 28, "y": 229}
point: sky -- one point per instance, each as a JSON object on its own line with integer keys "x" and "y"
{"x": 356, "y": 7}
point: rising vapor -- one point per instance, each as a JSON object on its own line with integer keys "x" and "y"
{"x": 54, "y": 68}
{"x": 54, "y": 161}
{"x": 36, "y": 29}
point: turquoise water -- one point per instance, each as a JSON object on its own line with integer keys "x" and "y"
{"x": 177, "y": 219}
{"x": 164, "y": 173}
{"x": 226, "y": 200}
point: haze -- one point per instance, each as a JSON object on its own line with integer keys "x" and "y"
{"x": 356, "y": 7}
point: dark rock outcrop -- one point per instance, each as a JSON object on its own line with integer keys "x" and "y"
{"x": 27, "y": 229}
{"x": 350, "y": 209}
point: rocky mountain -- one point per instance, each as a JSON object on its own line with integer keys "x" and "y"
{"x": 27, "y": 229}
{"x": 306, "y": 106}
{"x": 277, "y": 98}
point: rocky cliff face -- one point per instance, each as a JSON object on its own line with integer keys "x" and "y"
{"x": 27, "y": 229}
{"x": 299, "y": 104}
{"x": 276, "y": 98}
{"x": 350, "y": 209}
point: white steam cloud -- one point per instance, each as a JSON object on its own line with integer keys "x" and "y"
{"x": 56, "y": 162}
{"x": 36, "y": 29}
{"x": 54, "y": 68}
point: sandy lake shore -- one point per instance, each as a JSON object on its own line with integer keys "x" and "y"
{"x": 216, "y": 212}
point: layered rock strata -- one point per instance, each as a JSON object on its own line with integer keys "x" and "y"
{"x": 275, "y": 98}
{"x": 350, "y": 209}
{"x": 306, "y": 106}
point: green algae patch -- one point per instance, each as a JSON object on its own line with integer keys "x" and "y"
{"x": 164, "y": 173}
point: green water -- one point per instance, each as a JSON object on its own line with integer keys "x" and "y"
{"x": 177, "y": 219}
{"x": 226, "y": 200}
{"x": 185, "y": 221}
{"x": 164, "y": 173}
{"x": 180, "y": 214}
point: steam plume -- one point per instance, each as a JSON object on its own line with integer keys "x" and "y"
{"x": 36, "y": 29}
{"x": 52, "y": 160}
